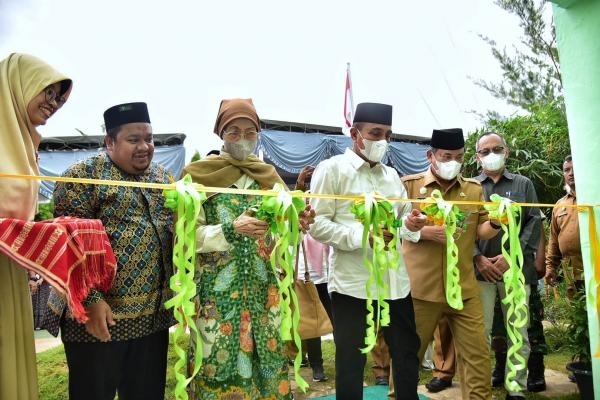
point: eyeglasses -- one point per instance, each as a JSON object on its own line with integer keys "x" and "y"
{"x": 495, "y": 150}
{"x": 51, "y": 95}
{"x": 236, "y": 134}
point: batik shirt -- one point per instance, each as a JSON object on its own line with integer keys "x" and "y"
{"x": 140, "y": 231}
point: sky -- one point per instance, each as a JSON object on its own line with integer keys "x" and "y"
{"x": 183, "y": 57}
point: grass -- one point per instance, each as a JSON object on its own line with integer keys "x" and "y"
{"x": 52, "y": 372}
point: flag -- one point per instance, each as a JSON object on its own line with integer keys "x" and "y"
{"x": 348, "y": 104}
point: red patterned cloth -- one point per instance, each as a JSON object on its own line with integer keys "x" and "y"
{"x": 72, "y": 254}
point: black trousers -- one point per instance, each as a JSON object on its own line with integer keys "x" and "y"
{"x": 349, "y": 315}
{"x": 136, "y": 368}
{"x": 313, "y": 346}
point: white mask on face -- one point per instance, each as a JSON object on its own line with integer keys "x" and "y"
{"x": 492, "y": 162}
{"x": 448, "y": 170}
{"x": 241, "y": 149}
{"x": 374, "y": 149}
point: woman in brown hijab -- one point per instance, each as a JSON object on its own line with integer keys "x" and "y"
{"x": 30, "y": 93}
{"x": 238, "y": 306}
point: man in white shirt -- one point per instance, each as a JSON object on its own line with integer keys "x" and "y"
{"x": 356, "y": 172}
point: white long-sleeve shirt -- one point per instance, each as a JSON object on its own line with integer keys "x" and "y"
{"x": 348, "y": 174}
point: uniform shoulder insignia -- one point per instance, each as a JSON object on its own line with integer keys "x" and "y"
{"x": 412, "y": 177}
{"x": 472, "y": 180}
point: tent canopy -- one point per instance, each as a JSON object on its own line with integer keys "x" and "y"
{"x": 288, "y": 146}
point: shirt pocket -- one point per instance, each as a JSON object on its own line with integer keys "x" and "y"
{"x": 471, "y": 213}
{"x": 516, "y": 196}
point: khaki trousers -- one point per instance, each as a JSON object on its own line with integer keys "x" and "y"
{"x": 443, "y": 347}
{"x": 381, "y": 357}
{"x": 472, "y": 350}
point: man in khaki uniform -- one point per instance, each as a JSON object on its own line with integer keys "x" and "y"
{"x": 564, "y": 247}
{"x": 426, "y": 263}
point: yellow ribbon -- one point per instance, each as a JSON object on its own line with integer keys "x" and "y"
{"x": 596, "y": 266}
{"x": 593, "y": 237}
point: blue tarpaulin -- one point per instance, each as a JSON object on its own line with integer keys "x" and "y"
{"x": 288, "y": 151}
{"x": 291, "y": 151}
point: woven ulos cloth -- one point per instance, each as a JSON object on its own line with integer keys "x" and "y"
{"x": 71, "y": 254}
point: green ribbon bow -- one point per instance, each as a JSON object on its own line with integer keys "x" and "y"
{"x": 377, "y": 214}
{"x": 281, "y": 213}
{"x": 186, "y": 202}
{"x": 508, "y": 213}
{"x": 441, "y": 213}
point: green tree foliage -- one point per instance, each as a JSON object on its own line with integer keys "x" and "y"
{"x": 539, "y": 140}
{"x": 538, "y": 145}
{"x": 531, "y": 74}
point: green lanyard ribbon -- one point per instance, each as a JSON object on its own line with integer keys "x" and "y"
{"x": 376, "y": 214}
{"x": 186, "y": 202}
{"x": 281, "y": 213}
{"x": 441, "y": 213}
{"x": 509, "y": 215}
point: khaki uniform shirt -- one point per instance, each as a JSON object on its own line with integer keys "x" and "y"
{"x": 564, "y": 241}
{"x": 426, "y": 259}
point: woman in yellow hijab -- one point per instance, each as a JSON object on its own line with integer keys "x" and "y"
{"x": 30, "y": 93}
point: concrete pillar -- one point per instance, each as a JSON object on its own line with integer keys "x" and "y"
{"x": 577, "y": 25}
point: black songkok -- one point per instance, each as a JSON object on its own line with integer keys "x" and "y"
{"x": 375, "y": 113}
{"x": 125, "y": 114}
{"x": 447, "y": 139}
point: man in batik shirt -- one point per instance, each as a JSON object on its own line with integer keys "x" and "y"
{"x": 123, "y": 346}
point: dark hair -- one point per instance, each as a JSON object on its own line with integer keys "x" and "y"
{"x": 484, "y": 134}
{"x": 113, "y": 132}
{"x": 358, "y": 125}
{"x": 213, "y": 152}
{"x": 568, "y": 158}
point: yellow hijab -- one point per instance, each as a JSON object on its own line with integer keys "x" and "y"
{"x": 22, "y": 77}
{"x": 224, "y": 171}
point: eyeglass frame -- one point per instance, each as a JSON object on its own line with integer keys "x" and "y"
{"x": 239, "y": 135}
{"x": 54, "y": 96}
{"x": 496, "y": 150}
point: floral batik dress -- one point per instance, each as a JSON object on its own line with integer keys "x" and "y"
{"x": 238, "y": 314}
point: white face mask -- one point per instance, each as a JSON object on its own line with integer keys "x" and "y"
{"x": 492, "y": 162}
{"x": 374, "y": 149}
{"x": 448, "y": 170}
{"x": 241, "y": 149}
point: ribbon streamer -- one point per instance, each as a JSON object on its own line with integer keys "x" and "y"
{"x": 186, "y": 202}
{"x": 595, "y": 263}
{"x": 443, "y": 213}
{"x": 594, "y": 243}
{"x": 377, "y": 214}
{"x": 509, "y": 215}
{"x": 281, "y": 213}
